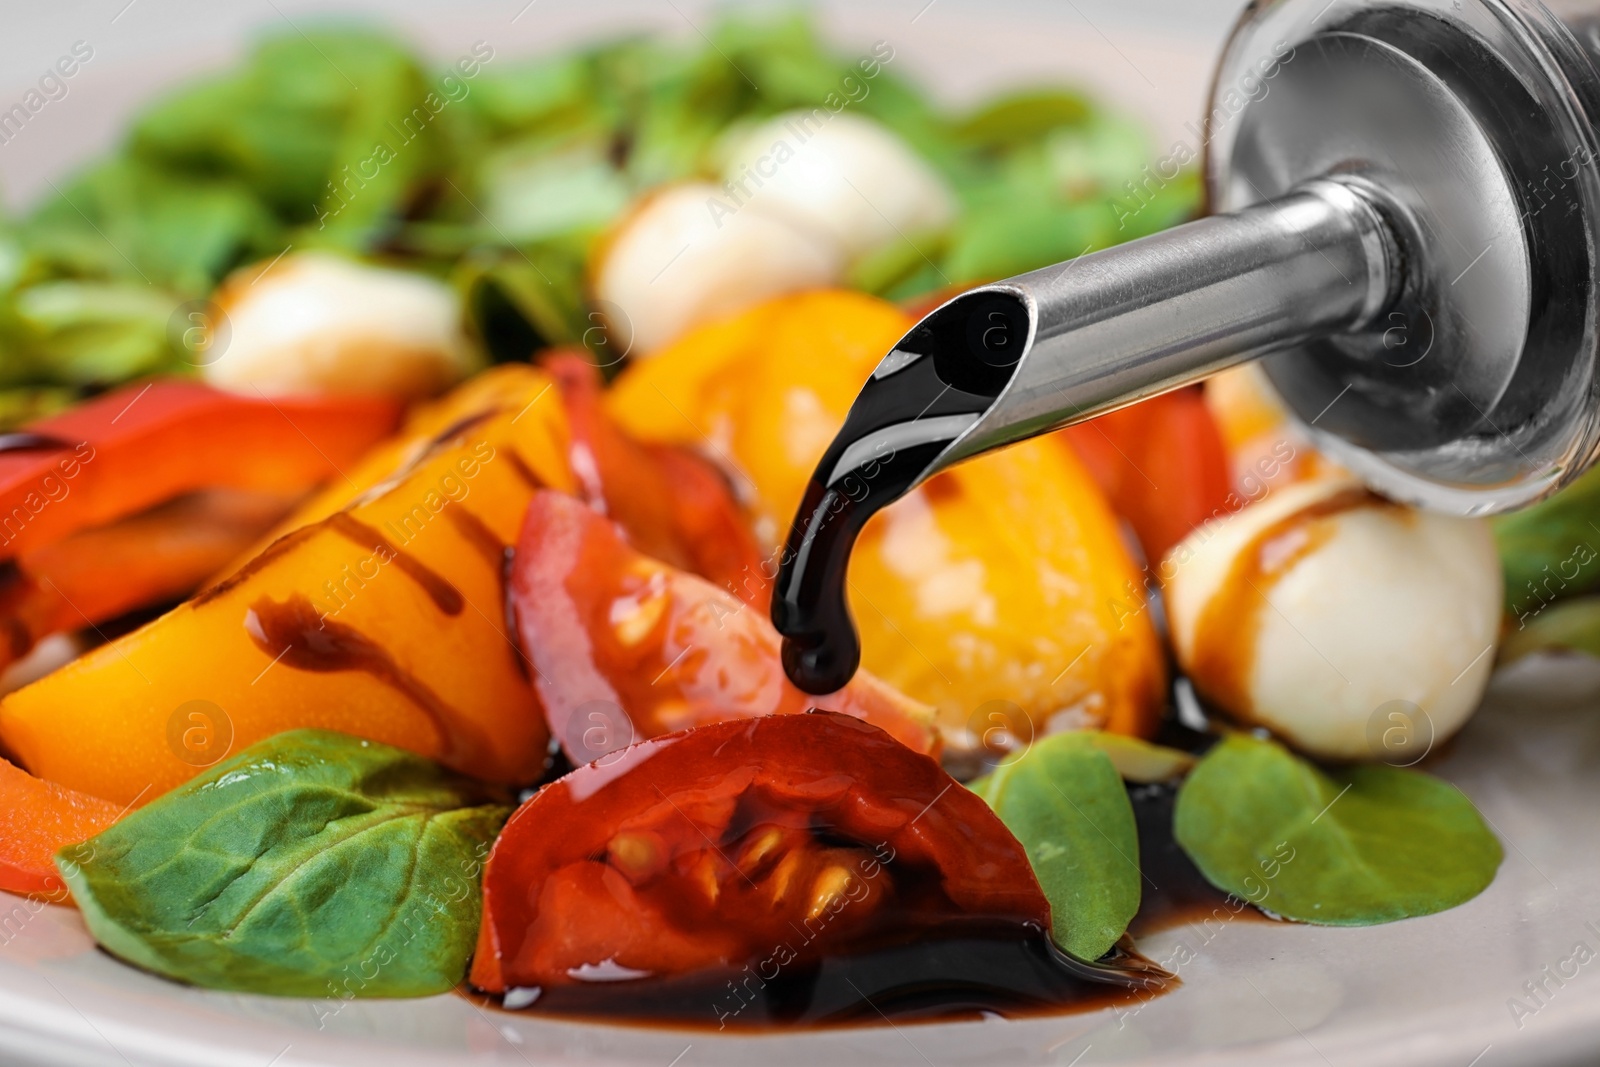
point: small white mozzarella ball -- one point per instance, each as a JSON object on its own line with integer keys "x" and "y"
{"x": 676, "y": 261}
{"x": 1313, "y": 611}
{"x": 838, "y": 174}
{"x": 319, "y": 323}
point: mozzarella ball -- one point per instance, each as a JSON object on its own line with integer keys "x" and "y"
{"x": 1330, "y": 616}
{"x": 839, "y": 175}
{"x": 683, "y": 256}
{"x": 319, "y": 323}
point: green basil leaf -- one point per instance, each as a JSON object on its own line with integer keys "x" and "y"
{"x": 311, "y": 864}
{"x": 1353, "y": 847}
{"x": 1065, "y": 802}
{"x": 295, "y": 113}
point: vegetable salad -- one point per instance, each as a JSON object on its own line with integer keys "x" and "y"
{"x": 396, "y": 469}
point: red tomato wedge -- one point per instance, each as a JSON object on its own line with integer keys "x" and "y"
{"x": 706, "y": 848}
{"x": 38, "y": 819}
{"x": 676, "y": 507}
{"x": 145, "y": 444}
{"x": 1161, "y": 462}
{"x": 626, "y": 647}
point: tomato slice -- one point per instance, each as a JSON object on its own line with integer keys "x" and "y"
{"x": 707, "y": 848}
{"x": 675, "y": 506}
{"x": 37, "y": 819}
{"x": 627, "y": 647}
{"x": 1161, "y": 462}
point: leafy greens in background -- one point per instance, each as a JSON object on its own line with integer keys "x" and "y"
{"x": 312, "y": 864}
{"x": 503, "y": 179}
{"x": 1362, "y": 845}
{"x": 1551, "y": 550}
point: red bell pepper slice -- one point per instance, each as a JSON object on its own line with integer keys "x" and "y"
{"x": 156, "y": 556}
{"x": 627, "y": 647}
{"x": 1162, "y": 463}
{"x": 123, "y": 452}
{"x": 706, "y": 848}
{"x": 675, "y": 506}
{"x": 38, "y": 819}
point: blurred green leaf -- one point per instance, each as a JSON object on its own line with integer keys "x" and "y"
{"x": 22, "y": 405}
{"x": 545, "y": 95}
{"x": 531, "y": 193}
{"x": 129, "y": 220}
{"x": 300, "y": 110}
{"x": 1549, "y": 551}
{"x": 1020, "y": 118}
{"x": 886, "y": 269}
{"x": 98, "y": 332}
{"x": 1570, "y": 626}
{"x": 521, "y": 300}
{"x": 1025, "y": 234}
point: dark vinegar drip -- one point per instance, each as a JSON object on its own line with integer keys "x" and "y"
{"x": 926, "y": 393}
{"x": 1174, "y": 893}
{"x": 445, "y": 597}
{"x": 301, "y": 637}
{"x": 962, "y": 969}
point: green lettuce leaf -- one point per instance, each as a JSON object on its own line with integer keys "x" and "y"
{"x": 311, "y": 864}
{"x": 1352, "y": 847}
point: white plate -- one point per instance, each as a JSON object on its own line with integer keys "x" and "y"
{"x": 1433, "y": 991}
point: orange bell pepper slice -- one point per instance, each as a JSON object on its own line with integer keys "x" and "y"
{"x": 38, "y": 819}
{"x": 142, "y": 445}
{"x": 382, "y": 618}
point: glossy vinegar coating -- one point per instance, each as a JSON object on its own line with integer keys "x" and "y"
{"x": 928, "y": 391}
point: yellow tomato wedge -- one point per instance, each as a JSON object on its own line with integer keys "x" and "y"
{"x": 1002, "y": 580}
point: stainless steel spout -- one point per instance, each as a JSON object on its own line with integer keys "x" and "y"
{"x": 1114, "y": 327}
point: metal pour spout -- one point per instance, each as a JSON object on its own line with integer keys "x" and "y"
{"x": 1117, "y": 326}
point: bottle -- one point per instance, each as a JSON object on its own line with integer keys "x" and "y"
{"x": 1404, "y": 222}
